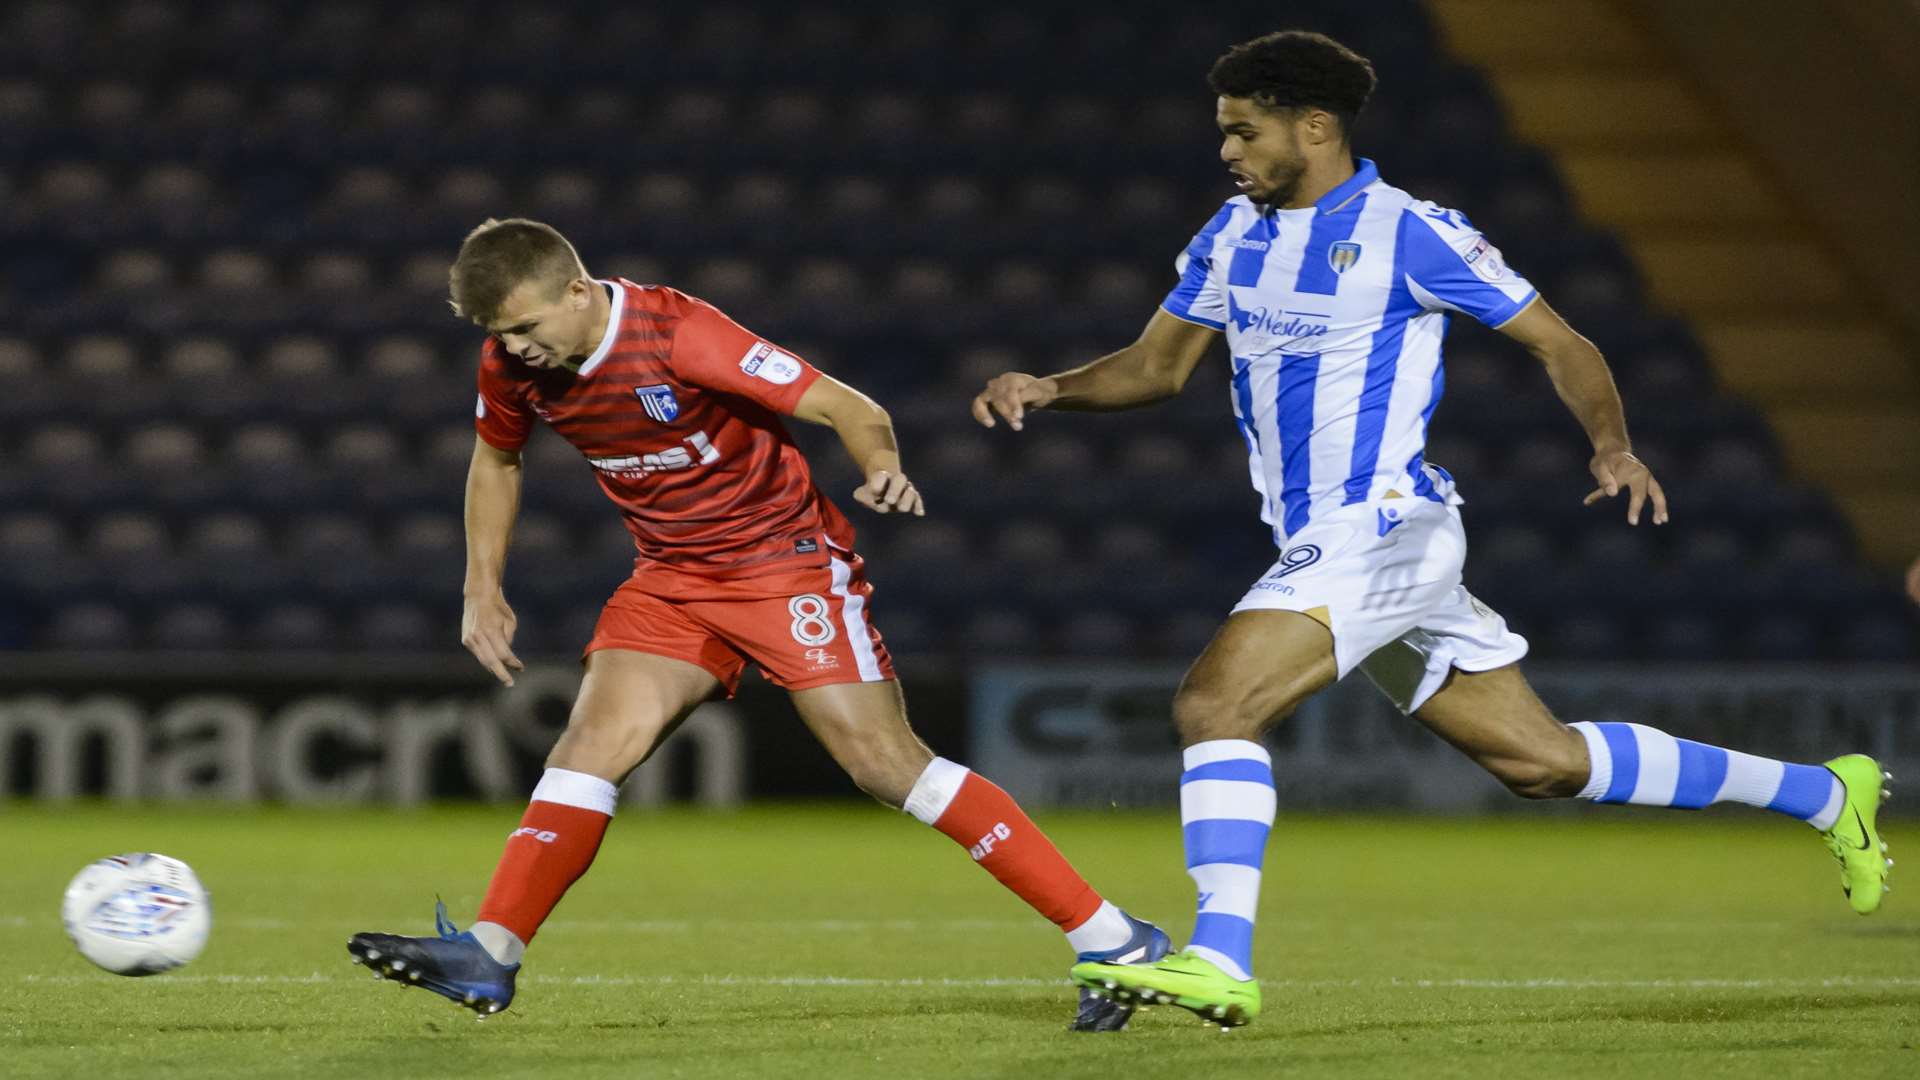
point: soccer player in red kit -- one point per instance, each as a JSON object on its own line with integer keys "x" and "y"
{"x": 741, "y": 559}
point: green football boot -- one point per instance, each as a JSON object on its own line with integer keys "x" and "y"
{"x": 1853, "y": 839}
{"x": 1185, "y": 980}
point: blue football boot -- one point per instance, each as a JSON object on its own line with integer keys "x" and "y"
{"x": 454, "y": 965}
{"x": 1148, "y": 945}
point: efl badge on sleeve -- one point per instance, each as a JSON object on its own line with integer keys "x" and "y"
{"x": 1485, "y": 260}
{"x": 659, "y": 401}
{"x": 1342, "y": 255}
{"x": 763, "y": 361}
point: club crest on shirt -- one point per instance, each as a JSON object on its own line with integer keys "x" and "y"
{"x": 1342, "y": 255}
{"x": 659, "y": 401}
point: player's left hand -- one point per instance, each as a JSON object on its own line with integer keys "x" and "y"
{"x": 1616, "y": 469}
{"x": 890, "y": 492}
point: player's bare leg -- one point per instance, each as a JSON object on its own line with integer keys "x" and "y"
{"x": 629, "y": 703}
{"x": 1257, "y": 669}
{"x": 864, "y": 726}
{"x": 1495, "y": 718}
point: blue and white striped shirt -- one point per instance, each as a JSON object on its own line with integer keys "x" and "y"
{"x": 1334, "y": 315}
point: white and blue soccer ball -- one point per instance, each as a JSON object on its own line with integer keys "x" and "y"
{"x": 137, "y": 914}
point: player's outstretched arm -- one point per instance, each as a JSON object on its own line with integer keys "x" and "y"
{"x": 1153, "y": 368}
{"x": 493, "y": 500}
{"x": 1581, "y": 378}
{"x": 866, "y": 431}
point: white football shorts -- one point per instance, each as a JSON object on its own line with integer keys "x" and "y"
{"x": 1387, "y": 575}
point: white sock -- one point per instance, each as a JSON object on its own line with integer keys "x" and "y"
{"x": 1105, "y": 930}
{"x": 501, "y": 943}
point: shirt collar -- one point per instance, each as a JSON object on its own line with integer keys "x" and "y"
{"x": 613, "y": 327}
{"x": 1363, "y": 174}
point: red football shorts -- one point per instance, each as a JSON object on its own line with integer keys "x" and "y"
{"x": 817, "y": 637}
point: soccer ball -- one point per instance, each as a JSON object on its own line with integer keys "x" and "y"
{"x": 137, "y": 914}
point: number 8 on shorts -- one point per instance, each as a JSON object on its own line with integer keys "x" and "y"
{"x": 810, "y": 623}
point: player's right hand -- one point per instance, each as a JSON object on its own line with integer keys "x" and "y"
{"x": 486, "y": 629}
{"x": 1011, "y": 395}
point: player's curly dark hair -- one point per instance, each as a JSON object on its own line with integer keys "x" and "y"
{"x": 1293, "y": 69}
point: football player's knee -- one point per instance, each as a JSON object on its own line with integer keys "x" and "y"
{"x": 604, "y": 745}
{"x": 883, "y": 777}
{"x": 1558, "y": 771}
{"x": 1201, "y": 715}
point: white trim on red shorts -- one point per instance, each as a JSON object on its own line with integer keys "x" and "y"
{"x": 851, "y": 608}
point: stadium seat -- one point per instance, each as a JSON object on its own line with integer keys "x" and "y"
{"x": 825, "y": 281}
{"x": 1781, "y": 637}
{"x": 91, "y": 627}
{"x": 332, "y": 273}
{"x": 102, "y": 358}
{"x": 1595, "y": 637}
{"x": 1098, "y": 634}
{"x": 206, "y": 107}
{"x": 1186, "y": 633}
{"x": 398, "y": 359}
{"x": 57, "y": 448}
{"x": 425, "y": 540}
{"x": 593, "y": 111}
{"x": 364, "y": 449}
{"x": 397, "y": 628}
{"x": 1000, "y": 632}
{"x": 921, "y": 282}
{"x": 292, "y": 628}
{"x": 72, "y": 190}
{"x": 728, "y": 282}
{"x": 165, "y": 451}
{"x": 1685, "y": 637}
{"x": 1884, "y": 636}
{"x": 230, "y": 556}
{"x": 467, "y": 191}
{"x": 564, "y": 196}
{"x": 194, "y": 627}
{"x": 236, "y": 272}
{"x": 133, "y": 271}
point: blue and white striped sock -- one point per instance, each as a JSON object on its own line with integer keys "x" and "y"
{"x": 1633, "y": 763}
{"x": 1226, "y": 811}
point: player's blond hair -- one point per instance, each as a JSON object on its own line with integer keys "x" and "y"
{"x": 500, "y": 255}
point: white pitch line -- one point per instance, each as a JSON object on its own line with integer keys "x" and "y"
{"x": 1835, "y": 983}
{"x": 623, "y": 926}
{"x": 1619, "y": 984}
{"x": 836, "y": 926}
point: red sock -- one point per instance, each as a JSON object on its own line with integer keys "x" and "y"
{"x": 985, "y": 820}
{"x": 555, "y": 843}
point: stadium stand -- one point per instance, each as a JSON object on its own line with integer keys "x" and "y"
{"x": 238, "y": 410}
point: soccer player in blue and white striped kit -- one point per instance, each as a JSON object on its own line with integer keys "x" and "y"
{"x": 1333, "y": 289}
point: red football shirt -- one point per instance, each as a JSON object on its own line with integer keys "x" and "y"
{"x": 678, "y": 411}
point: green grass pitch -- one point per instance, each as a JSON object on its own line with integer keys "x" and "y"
{"x": 840, "y": 941}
